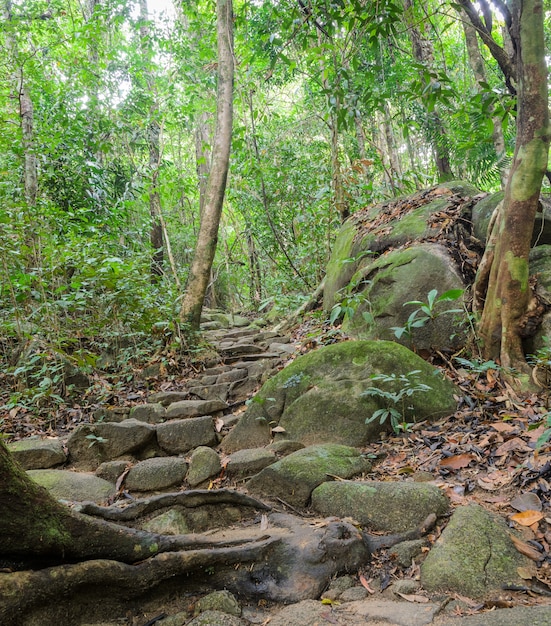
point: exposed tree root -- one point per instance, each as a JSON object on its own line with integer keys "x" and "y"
{"x": 21, "y": 592}
{"x": 189, "y": 499}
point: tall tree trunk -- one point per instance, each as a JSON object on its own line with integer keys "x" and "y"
{"x": 502, "y": 285}
{"x": 479, "y": 71}
{"x": 423, "y": 53}
{"x": 153, "y": 139}
{"x": 198, "y": 279}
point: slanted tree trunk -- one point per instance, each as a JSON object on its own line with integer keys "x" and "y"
{"x": 502, "y": 288}
{"x": 198, "y": 279}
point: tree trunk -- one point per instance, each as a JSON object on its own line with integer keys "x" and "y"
{"x": 423, "y": 53}
{"x": 502, "y": 281}
{"x": 198, "y": 280}
{"x": 153, "y": 140}
{"x": 479, "y": 71}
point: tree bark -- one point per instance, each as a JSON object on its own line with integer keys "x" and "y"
{"x": 153, "y": 140}
{"x": 423, "y": 53}
{"x": 479, "y": 72}
{"x": 198, "y": 279}
{"x": 501, "y": 285}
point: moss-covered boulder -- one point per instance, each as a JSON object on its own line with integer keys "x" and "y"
{"x": 294, "y": 477}
{"x": 73, "y": 486}
{"x": 388, "y": 507}
{"x": 401, "y": 276}
{"x": 327, "y": 395}
{"x": 388, "y": 225}
{"x": 474, "y": 555}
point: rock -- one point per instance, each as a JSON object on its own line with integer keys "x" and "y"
{"x": 203, "y": 464}
{"x": 157, "y": 473}
{"x": 294, "y": 477}
{"x": 474, "y": 555}
{"x": 194, "y": 408}
{"x": 211, "y": 392}
{"x": 222, "y": 601}
{"x": 406, "y": 586}
{"x": 92, "y": 444}
{"x": 285, "y": 447}
{"x": 180, "y": 436}
{"x": 517, "y": 616}
{"x": 398, "y": 277}
{"x": 217, "y": 618}
{"x": 168, "y": 397}
{"x": 388, "y": 507}
{"x": 111, "y": 470}
{"x": 152, "y": 413}
{"x": 112, "y": 414}
{"x": 232, "y": 376}
{"x": 247, "y": 462}
{"x": 73, "y": 486}
{"x": 353, "y": 594}
{"x": 171, "y": 522}
{"x": 314, "y": 613}
{"x": 36, "y": 453}
{"x": 407, "y": 551}
{"x": 482, "y": 213}
{"x": 321, "y": 396}
{"x": 357, "y": 240}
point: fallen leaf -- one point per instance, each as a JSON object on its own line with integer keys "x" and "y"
{"x": 365, "y": 584}
{"x": 528, "y": 501}
{"x": 503, "y": 427}
{"x": 526, "y": 549}
{"x": 413, "y": 597}
{"x": 458, "y": 461}
{"x": 527, "y": 518}
{"x": 513, "y": 445}
{"x": 218, "y": 424}
{"x": 525, "y": 573}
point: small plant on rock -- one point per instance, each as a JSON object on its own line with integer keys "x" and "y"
{"x": 396, "y": 402}
{"x": 427, "y": 311}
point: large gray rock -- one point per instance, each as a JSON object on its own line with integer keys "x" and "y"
{"x": 157, "y": 473}
{"x": 152, "y": 413}
{"x": 404, "y": 275}
{"x": 388, "y": 507}
{"x": 204, "y": 463}
{"x": 408, "y": 219}
{"x": 92, "y": 444}
{"x": 180, "y": 436}
{"x": 194, "y": 408}
{"x": 247, "y": 462}
{"x": 36, "y": 453}
{"x": 294, "y": 477}
{"x": 323, "y": 396}
{"x": 73, "y": 486}
{"x": 474, "y": 555}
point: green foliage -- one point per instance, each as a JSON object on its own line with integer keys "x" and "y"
{"x": 394, "y": 393}
{"x": 427, "y": 311}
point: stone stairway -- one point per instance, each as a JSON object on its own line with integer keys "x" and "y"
{"x": 170, "y": 442}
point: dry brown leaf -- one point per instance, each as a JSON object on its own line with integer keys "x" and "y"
{"x": 525, "y": 573}
{"x": 527, "y": 518}
{"x": 526, "y": 549}
{"x": 413, "y": 597}
{"x": 513, "y": 445}
{"x": 218, "y": 424}
{"x": 458, "y": 461}
{"x": 365, "y": 584}
{"x": 528, "y": 501}
{"x": 503, "y": 427}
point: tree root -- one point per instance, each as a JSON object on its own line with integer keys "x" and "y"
{"x": 189, "y": 499}
{"x": 23, "y": 592}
